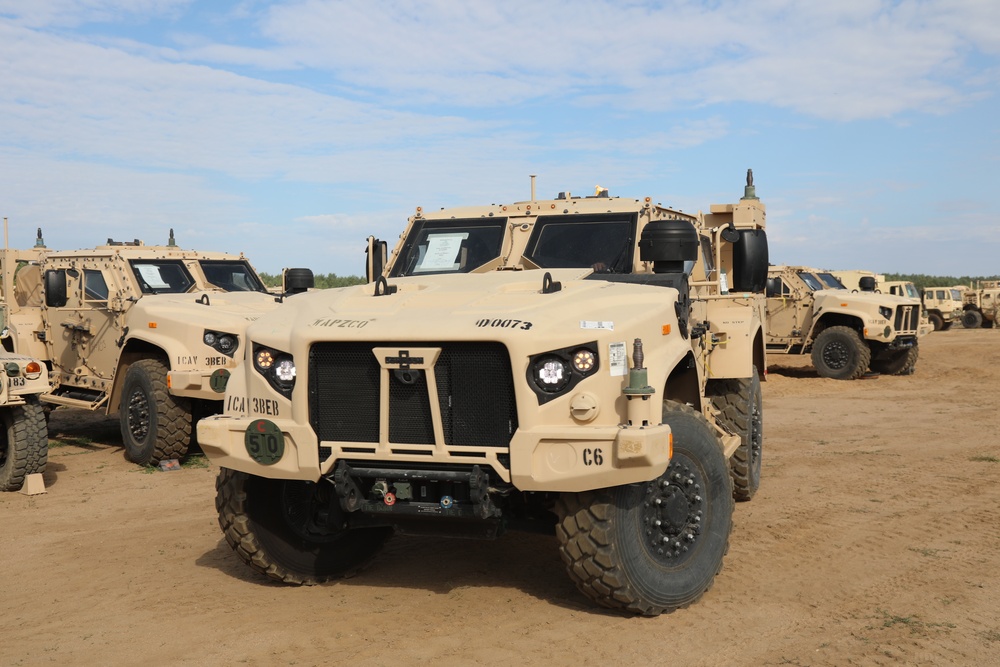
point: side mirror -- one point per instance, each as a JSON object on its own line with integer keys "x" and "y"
{"x": 55, "y": 288}
{"x": 378, "y": 253}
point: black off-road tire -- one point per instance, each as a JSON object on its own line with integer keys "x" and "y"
{"x": 972, "y": 319}
{"x": 653, "y": 547}
{"x": 155, "y": 425}
{"x": 947, "y": 325}
{"x": 936, "y": 321}
{"x": 740, "y": 407}
{"x": 840, "y": 354}
{"x": 24, "y": 443}
{"x": 269, "y": 524}
{"x": 904, "y": 362}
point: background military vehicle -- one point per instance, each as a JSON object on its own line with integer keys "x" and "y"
{"x": 980, "y": 304}
{"x": 24, "y": 442}
{"x": 149, "y": 332}
{"x": 846, "y": 332}
{"x": 943, "y": 305}
{"x": 582, "y": 365}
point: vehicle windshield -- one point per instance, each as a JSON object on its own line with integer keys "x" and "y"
{"x": 956, "y": 294}
{"x": 450, "y": 246}
{"x": 811, "y": 281}
{"x": 231, "y": 275}
{"x": 161, "y": 276}
{"x": 600, "y": 242}
{"x": 830, "y": 280}
{"x": 911, "y": 290}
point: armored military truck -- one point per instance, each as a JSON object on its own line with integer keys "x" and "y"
{"x": 149, "y": 332}
{"x": 588, "y": 366}
{"x": 24, "y": 442}
{"x": 943, "y": 306}
{"x": 845, "y": 332}
{"x": 979, "y": 308}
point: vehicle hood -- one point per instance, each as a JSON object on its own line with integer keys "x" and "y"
{"x": 210, "y": 308}
{"x": 490, "y": 306}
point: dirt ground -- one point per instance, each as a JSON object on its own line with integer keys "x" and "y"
{"x": 874, "y": 540}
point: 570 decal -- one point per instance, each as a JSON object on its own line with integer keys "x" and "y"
{"x": 504, "y": 324}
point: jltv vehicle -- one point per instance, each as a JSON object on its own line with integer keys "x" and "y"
{"x": 149, "y": 332}
{"x": 847, "y": 333}
{"x": 589, "y": 366}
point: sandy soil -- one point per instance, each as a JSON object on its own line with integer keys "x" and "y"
{"x": 874, "y": 540}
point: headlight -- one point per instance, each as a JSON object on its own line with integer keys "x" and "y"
{"x": 277, "y": 367}
{"x": 550, "y": 374}
{"x": 886, "y": 313}
{"x": 226, "y": 343}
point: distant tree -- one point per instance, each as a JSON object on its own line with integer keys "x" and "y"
{"x": 323, "y": 281}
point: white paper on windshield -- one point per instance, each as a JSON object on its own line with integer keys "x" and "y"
{"x": 151, "y": 274}
{"x": 618, "y": 360}
{"x": 442, "y": 252}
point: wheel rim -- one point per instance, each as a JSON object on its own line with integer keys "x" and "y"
{"x": 673, "y": 511}
{"x": 836, "y": 354}
{"x": 138, "y": 415}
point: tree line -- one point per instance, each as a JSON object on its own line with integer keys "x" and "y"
{"x": 323, "y": 280}
{"x": 921, "y": 280}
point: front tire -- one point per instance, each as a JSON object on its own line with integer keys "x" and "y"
{"x": 155, "y": 425}
{"x": 741, "y": 411}
{"x": 24, "y": 443}
{"x": 840, "y": 354}
{"x": 656, "y": 546}
{"x": 904, "y": 362}
{"x": 972, "y": 319}
{"x": 273, "y": 526}
{"x": 936, "y": 321}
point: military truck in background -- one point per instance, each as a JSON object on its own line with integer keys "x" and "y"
{"x": 847, "y": 333}
{"x": 588, "y": 366}
{"x": 24, "y": 441}
{"x": 943, "y": 305}
{"x": 857, "y": 280}
{"x": 979, "y": 308}
{"x": 149, "y": 332}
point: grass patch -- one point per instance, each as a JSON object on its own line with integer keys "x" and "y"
{"x": 930, "y": 553}
{"x": 984, "y": 459}
{"x": 912, "y": 622}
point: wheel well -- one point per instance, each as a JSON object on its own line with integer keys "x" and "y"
{"x": 134, "y": 351}
{"x": 970, "y": 306}
{"x": 838, "y": 320}
{"x": 682, "y": 383}
{"x": 760, "y": 355}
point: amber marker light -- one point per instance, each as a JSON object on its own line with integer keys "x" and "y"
{"x": 666, "y": 329}
{"x": 152, "y": 325}
{"x": 32, "y": 370}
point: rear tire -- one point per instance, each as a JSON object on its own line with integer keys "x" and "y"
{"x": 656, "y": 546}
{"x": 840, "y": 354}
{"x": 741, "y": 411}
{"x": 271, "y": 525}
{"x": 936, "y": 321}
{"x": 24, "y": 443}
{"x": 155, "y": 425}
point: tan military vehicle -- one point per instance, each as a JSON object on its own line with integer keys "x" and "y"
{"x": 980, "y": 304}
{"x": 24, "y": 442}
{"x": 584, "y": 365}
{"x": 149, "y": 332}
{"x": 943, "y": 306}
{"x": 846, "y": 332}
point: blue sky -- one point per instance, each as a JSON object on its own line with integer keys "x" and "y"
{"x": 293, "y": 130}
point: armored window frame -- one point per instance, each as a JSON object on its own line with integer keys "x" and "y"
{"x": 171, "y": 275}
{"x": 236, "y": 281}
{"x": 604, "y": 242}
{"x": 475, "y": 242}
{"x": 95, "y": 287}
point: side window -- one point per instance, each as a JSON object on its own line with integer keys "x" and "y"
{"x": 939, "y": 294}
{"x": 775, "y": 287}
{"x": 94, "y": 286}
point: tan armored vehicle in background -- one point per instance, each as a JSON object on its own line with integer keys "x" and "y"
{"x": 943, "y": 305}
{"x": 24, "y": 442}
{"x": 845, "y": 332}
{"x": 149, "y": 332}
{"x": 980, "y": 304}
{"x": 584, "y": 365}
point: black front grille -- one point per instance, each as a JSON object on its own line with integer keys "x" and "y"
{"x": 907, "y": 318}
{"x": 475, "y": 391}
